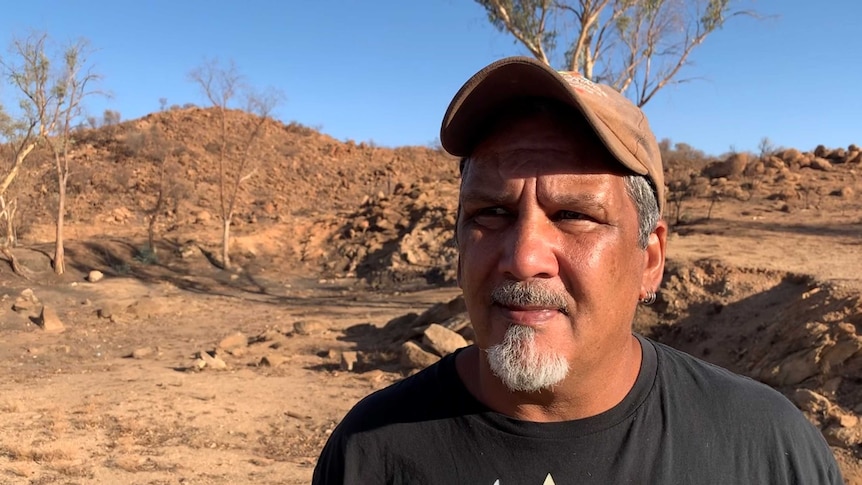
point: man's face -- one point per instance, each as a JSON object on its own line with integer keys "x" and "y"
{"x": 549, "y": 259}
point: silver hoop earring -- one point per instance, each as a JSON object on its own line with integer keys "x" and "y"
{"x": 649, "y": 299}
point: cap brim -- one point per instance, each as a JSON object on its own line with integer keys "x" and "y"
{"x": 513, "y": 78}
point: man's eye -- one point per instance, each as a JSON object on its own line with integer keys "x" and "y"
{"x": 571, "y": 215}
{"x": 492, "y": 217}
{"x": 492, "y": 211}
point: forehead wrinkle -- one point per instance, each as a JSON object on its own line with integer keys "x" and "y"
{"x": 524, "y": 162}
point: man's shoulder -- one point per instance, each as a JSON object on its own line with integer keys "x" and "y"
{"x": 719, "y": 389}
{"x": 421, "y": 396}
{"x": 755, "y": 422}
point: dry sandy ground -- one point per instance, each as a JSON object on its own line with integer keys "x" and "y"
{"x": 75, "y": 408}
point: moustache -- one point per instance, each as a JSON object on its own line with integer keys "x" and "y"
{"x": 522, "y": 293}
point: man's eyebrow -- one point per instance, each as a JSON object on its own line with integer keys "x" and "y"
{"x": 482, "y": 196}
{"x": 579, "y": 198}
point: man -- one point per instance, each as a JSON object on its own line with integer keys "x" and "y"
{"x": 560, "y": 238}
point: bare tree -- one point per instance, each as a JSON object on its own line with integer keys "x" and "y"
{"x": 636, "y": 46}
{"x": 169, "y": 187}
{"x": 223, "y": 87}
{"x": 51, "y": 90}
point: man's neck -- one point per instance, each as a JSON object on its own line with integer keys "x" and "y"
{"x": 584, "y": 392}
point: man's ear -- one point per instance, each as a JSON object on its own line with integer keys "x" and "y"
{"x": 655, "y": 257}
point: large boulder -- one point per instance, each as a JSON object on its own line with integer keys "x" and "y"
{"x": 732, "y": 167}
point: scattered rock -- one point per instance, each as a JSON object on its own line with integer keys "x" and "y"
{"x": 845, "y": 420}
{"x": 49, "y": 321}
{"x": 791, "y": 155}
{"x": 108, "y": 310}
{"x": 233, "y": 341}
{"x": 272, "y": 360}
{"x": 442, "y": 340}
{"x": 236, "y": 351}
{"x": 842, "y": 437}
{"x": 310, "y": 327}
{"x": 272, "y": 339}
{"x": 202, "y": 217}
{"x": 837, "y": 155}
{"x": 414, "y": 357}
{"x": 731, "y": 167}
{"x": 810, "y": 401}
{"x": 95, "y": 276}
{"x": 23, "y": 306}
{"x": 845, "y": 192}
{"x": 212, "y": 361}
{"x": 821, "y": 164}
{"x": 142, "y": 353}
{"x": 26, "y": 302}
{"x": 348, "y": 360}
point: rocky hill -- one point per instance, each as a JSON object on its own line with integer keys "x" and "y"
{"x": 296, "y": 170}
{"x": 342, "y": 209}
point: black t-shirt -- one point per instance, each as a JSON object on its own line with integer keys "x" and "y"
{"x": 684, "y": 422}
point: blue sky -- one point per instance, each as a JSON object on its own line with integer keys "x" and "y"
{"x": 385, "y": 70}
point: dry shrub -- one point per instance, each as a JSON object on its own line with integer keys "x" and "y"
{"x": 44, "y": 455}
{"x": 7, "y": 406}
{"x": 128, "y": 463}
{"x": 22, "y": 470}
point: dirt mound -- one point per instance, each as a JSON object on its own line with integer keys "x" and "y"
{"x": 790, "y": 331}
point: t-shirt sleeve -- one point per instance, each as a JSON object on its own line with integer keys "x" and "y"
{"x": 330, "y": 465}
{"x": 352, "y": 453}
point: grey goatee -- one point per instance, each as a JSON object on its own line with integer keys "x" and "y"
{"x": 518, "y": 361}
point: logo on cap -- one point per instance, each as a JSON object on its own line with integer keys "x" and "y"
{"x": 582, "y": 84}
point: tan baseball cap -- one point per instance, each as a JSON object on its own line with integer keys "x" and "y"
{"x": 621, "y": 126}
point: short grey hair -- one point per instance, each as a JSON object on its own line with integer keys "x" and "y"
{"x": 639, "y": 189}
{"x": 642, "y": 193}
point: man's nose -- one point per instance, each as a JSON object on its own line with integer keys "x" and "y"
{"x": 530, "y": 249}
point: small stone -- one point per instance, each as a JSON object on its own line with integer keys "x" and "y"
{"x": 233, "y": 341}
{"x": 203, "y": 217}
{"x": 414, "y": 357}
{"x": 348, "y": 360}
{"x": 810, "y": 401}
{"x": 107, "y": 310}
{"x": 237, "y": 352}
{"x": 842, "y": 418}
{"x": 442, "y": 340}
{"x": 214, "y": 362}
{"x": 49, "y": 321}
{"x": 22, "y": 305}
{"x": 842, "y": 437}
{"x": 309, "y": 327}
{"x": 142, "y": 353}
{"x": 199, "y": 364}
{"x": 95, "y": 276}
{"x": 272, "y": 360}
{"x": 821, "y": 164}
